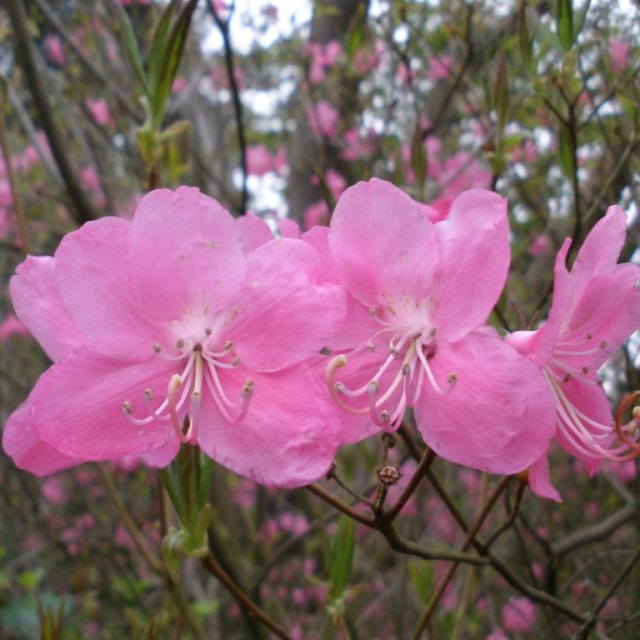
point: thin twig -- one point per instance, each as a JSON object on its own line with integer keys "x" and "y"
{"x": 340, "y": 505}
{"x": 223, "y": 26}
{"x": 82, "y": 210}
{"x": 11, "y": 174}
{"x": 253, "y": 610}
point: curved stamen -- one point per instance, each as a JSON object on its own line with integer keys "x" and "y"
{"x": 574, "y": 373}
{"x": 572, "y": 423}
{"x": 337, "y": 388}
{"x": 174, "y": 384}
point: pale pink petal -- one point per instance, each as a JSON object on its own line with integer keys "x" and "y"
{"x": 282, "y": 316}
{"x": 184, "y": 251}
{"x": 382, "y": 243}
{"x": 602, "y": 246}
{"x": 21, "y": 441}
{"x": 608, "y": 310}
{"x": 539, "y": 345}
{"x": 77, "y": 405}
{"x": 38, "y": 304}
{"x": 94, "y": 286}
{"x": 288, "y": 228}
{"x": 253, "y": 230}
{"x": 540, "y": 480}
{"x": 164, "y": 455}
{"x": 474, "y": 261}
{"x": 499, "y": 416}
{"x": 287, "y": 439}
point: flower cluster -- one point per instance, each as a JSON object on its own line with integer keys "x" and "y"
{"x": 184, "y": 325}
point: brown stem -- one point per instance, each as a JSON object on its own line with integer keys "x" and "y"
{"x": 101, "y": 77}
{"x": 467, "y": 542}
{"x": 588, "y": 625}
{"x": 13, "y": 182}
{"x": 82, "y": 210}
{"x": 341, "y": 506}
{"x": 252, "y": 609}
{"x": 132, "y": 529}
{"x": 426, "y": 461}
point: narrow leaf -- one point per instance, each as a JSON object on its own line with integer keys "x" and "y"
{"x": 159, "y": 44}
{"x": 501, "y": 93}
{"x": 564, "y": 23}
{"x": 131, "y": 45}
{"x": 341, "y": 556}
{"x": 565, "y": 154}
{"x": 524, "y": 38}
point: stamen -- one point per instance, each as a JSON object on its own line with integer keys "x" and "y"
{"x": 180, "y": 343}
{"x": 156, "y": 347}
{"x": 194, "y": 406}
{"x": 174, "y": 384}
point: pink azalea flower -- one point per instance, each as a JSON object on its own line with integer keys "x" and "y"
{"x": 54, "y": 50}
{"x": 164, "y": 330}
{"x": 440, "y": 67}
{"x": 99, "y": 110}
{"x": 414, "y": 336}
{"x": 619, "y": 52}
{"x": 519, "y": 614}
{"x": 261, "y": 161}
{"x": 596, "y": 306}
{"x": 540, "y": 245}
{"x": 10, "y": 327}
{"x": 324, "y": 119}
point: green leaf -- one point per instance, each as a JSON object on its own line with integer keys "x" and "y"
{"x": 524, "y": 38}
{"x": 341, "y": 557}
{"x": 170, "y": 62}
{"x": 159, "y": 45}
{"x": 132, "y": 46}
{"x": 564, "y": 23}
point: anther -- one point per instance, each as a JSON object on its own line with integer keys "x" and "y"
{"x": 236, "y": 361}
{"x": 406, "y": 370}
{"x": 603, "y": 344}
{"x": 339, "y": 387}
{"x": 179, "y": 343}
{"x": 566, "y": 377}
{"x": 385, "y": 417}
{"x": 228, "y": 344}
{"x": 433, "y": 332}
{"x": 127, "y": 407}
{"x": 208, "y": 331}
{"x": 585, "y": 370}
{"x": 247, "y": 388}
{"x": 589, "y": 336}
{"x": 156, "y": 347}
{"x": 373, "y": 311}
{"x": 371, "y": 346}
{"x": 453, "y": 378}
{"x": 148, "y": 394}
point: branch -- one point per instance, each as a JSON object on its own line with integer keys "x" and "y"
{"x": 252, "y": 609}
{"x": 102, "y": 78}
{"x": 235, "y": 92}
{"x": 83, "y": 211}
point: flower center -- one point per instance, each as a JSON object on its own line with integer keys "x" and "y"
{"x": 386, "y": 395}
{"x": 590, "y": 438}
{"x": 202, "y": 360}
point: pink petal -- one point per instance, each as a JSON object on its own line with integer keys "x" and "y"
{"x": 283, "y": 316}
{"x": 77, "y": 405}
{"x": 38, "y": 304}
{"x": 253, "y": 230}
{"x": 21, "y": 441}
{"x": 288, "y": 228}
{"x": 289, "y": 436}
{"x": 539, "y": 345}
{"x": 93, "y": 281}
{"x": 162, "y": 456}
{"x": 603, "y": 245}
{"x": 540, "y": 480}
{"x": 500, "y": 414}
{"x": 607, "y": 309}
{"x": 382, "y": 243}
{"x": 474, "y": 261}
{"x": 184, "y": 250}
